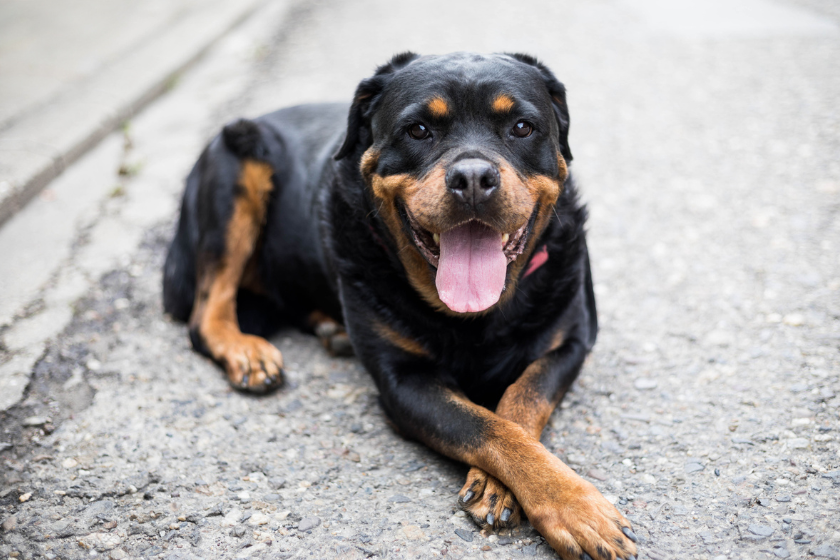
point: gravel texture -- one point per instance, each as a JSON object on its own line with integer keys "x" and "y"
{"x": 708, "y": 411}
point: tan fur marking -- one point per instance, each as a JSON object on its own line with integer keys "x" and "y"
{"x": 206, "y": 273}
{"x": 563, "y": 170}
{"x": 538, "y": 190}
{"x": 557, "y": 340}
{"x": 402, "y": 342}
{"x": 243, "y": 230}
{"x": 438, "y": 107}
{"x": 214, "y": 312}
{"x": 503, "y": 103}
{"x": 562, "y": 506}
{"x": 368, "y": 163}
{"x": 388, "y": 190}
{"x": 524, "y": 404}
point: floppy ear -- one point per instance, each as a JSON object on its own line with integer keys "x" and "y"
{"x": 364, "y": 103}
{"x": 558, "y": 100}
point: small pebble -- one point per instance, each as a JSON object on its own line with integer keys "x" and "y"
{"x": 694, "y": 466}
{"x": 258, "y": 519}
{"x": 597, "y": 474}
{"x": 645, "y": 384}
{"x": 308, "y": 523}
{"x": 464, "y": 534}
{"x": 827, "y": 551}
{"x": 399, "y": 499}
{"x": 9, "y": 524}
{"x": 798, "y": 443}
{"x": 794, "y": 319}
{"x": 760, "y": 530}
{"x": 277, "y": 482}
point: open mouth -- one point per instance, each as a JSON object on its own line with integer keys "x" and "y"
{"x": 513, "y": 244}
{"x": 471, "y": 261}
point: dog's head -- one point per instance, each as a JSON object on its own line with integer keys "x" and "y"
{"x": 465, "y": 156}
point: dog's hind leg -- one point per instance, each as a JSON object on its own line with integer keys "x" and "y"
{"x": 251, "y": 362}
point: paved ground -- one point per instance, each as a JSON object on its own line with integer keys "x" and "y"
{"x": 707, "y": 152}
{"x": 73, "y": 71}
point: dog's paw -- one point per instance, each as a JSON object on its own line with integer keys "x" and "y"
{"x": 334, "y": 338}
{"x": 489, "y": 502}
{"x": 580, "y": 524}
{"x": 252, "y": 363}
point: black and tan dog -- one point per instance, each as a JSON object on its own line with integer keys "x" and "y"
{"x": 439, "y": 225}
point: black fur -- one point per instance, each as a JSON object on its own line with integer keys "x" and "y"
{"x": 243, "y": 139}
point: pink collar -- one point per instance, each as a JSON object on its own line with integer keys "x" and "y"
{"x": 538, "y": 259}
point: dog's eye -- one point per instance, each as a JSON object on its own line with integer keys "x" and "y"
{"x": 523, "y": 129}
{"x": 418, "y": 131}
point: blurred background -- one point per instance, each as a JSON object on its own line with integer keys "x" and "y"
{"x": 706, "y": 136}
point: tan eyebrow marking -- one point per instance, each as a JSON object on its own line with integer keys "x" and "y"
{"x": 503, "y": 103}
{"x": 438, "y": 107}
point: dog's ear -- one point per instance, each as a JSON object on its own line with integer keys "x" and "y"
{"x": 364, "y": 104}
{"x": 558, "y": 100}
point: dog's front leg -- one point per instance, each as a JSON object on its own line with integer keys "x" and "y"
{"x": 529, "y": 402}
{"x": 568, "y": 511}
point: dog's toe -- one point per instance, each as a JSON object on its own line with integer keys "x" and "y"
{"x": 489, "y": 502}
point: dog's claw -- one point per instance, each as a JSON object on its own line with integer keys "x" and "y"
{"x": 468, "y": 496}
{"x": 490, "y": 519}
{"x": 630, "y": 534}
{"x": 631, "y": 557}
{"x": 245, "y": 379}
{"x": 505, "y": 515}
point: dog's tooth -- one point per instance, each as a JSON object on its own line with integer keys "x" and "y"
{"x": 436, "y": 237}
{"x": 505, "y": 238}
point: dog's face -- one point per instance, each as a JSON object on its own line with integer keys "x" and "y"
{"x": 465, "y": 156}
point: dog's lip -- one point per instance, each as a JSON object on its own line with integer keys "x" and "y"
{"x": 428, "y": 242}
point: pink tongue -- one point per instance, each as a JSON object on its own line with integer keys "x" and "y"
{"x": 472, "y": 267}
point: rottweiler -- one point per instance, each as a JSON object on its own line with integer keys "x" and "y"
{"x": 432, "y": 224}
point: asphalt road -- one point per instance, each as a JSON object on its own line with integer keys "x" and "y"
{"x": 706, "y": 145}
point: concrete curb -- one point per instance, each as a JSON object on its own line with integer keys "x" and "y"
{"x": 39, "y": 147}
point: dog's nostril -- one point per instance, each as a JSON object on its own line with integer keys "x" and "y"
{"x": 490, "y": 179}
{"x": 459, "y": 182}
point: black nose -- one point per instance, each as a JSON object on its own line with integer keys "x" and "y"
{"x": 473, "y": 181}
